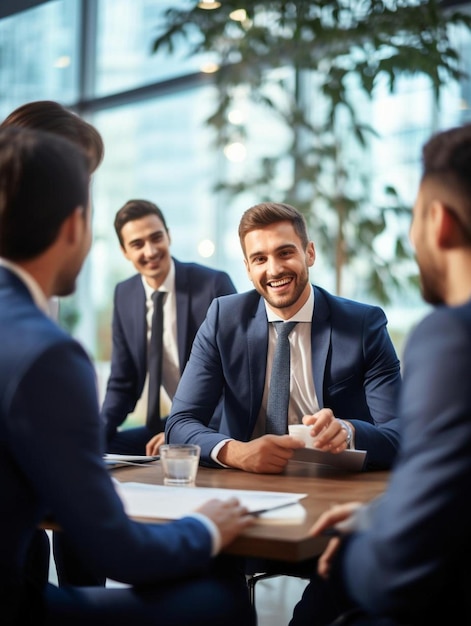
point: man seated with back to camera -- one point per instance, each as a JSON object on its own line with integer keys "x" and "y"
{"x": 403, "y": 559}
{"x": 52, "y": 117}
{"x": 51, "y": 434}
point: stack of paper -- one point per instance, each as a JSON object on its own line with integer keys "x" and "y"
{"x": 113, "y": 461}
{"x": 168, "y": 503}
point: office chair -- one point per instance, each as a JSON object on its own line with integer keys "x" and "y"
{"x": 274, "y": 570}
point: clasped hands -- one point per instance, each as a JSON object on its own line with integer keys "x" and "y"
{"x": 269, "y": 454}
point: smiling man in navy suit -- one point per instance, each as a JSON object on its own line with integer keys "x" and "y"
{"x": 345, "y": 374}
{"x": 189, "y": 289}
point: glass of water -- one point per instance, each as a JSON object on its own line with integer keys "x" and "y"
{"x": 179, "y": 463}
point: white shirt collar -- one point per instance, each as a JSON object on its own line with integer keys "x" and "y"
{"x": 32, "y": 285}
{"x": 303, "y": 315}
{"x": 168, "y": 285}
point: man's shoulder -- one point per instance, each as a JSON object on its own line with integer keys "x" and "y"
{"x": 133, "y": 282}
{"x": 234, "y": 313}
{"x": 198, "y": 269}
{"x": 245, "y": 303}
{"x": 444, "y": 320}
{"x": 342, "y": 304}
{"x": 26, "y": 332}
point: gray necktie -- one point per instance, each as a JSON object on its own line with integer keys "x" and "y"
{"x": 278, "y": 392}
{"x": 154, "y": 365}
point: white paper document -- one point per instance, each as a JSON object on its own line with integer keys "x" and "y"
{"x": 117, "y": 460}
{"x": 169, "y": 503}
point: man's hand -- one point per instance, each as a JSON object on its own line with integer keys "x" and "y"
{"x": 266, "y": 455}
{"x": 229, "y": 516}
{"x": 335, "y": 516}
{"x": 153, "y": 445}
{"x": 327, "y": 432}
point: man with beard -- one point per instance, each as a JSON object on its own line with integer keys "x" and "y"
{"x": 404, "y": 558}
{"x": 345, "y": 374}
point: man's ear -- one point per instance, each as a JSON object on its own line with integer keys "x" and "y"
{"x": 310, "y": 254}
{"x": 447, "y": 227}
{"x": 73, "y": 225}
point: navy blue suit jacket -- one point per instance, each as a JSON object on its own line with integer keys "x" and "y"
{"x": 51, "y": 447}
{"x": 196, "y": 286}
{"x": 355, "y": 367}
{"x": 413, "y": 564}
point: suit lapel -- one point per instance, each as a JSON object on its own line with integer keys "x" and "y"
{"x": 133, "y": 307}
{"x": 182, "y": 294}
{"x": 257, "y": 348}
{"x": 320, "y": 342}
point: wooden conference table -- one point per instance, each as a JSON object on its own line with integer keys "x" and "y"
{"x": 324, "y": 485}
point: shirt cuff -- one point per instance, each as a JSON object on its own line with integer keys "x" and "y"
{"x": 212, "y": 530}
{"x": 215, "y": 452}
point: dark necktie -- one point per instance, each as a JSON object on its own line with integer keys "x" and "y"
{"x": 154, "y": 363}
{"x": 278, "y": 392}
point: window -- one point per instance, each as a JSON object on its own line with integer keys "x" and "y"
{"x": 95, "y": 57}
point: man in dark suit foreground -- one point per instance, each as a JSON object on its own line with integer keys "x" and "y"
{"x": 404, "y": 558}
{"x": 188, "y": 290}
{"x": 54, "y": 118}
{"x": 51, "y": 438}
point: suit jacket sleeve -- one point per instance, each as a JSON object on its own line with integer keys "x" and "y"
{"x": 413, "y": 558}
{"x": 377, "y": 430}
{"x": 125, "y": 383}
{"x": 60, "y": 457}
{"x": 194, "y": 404}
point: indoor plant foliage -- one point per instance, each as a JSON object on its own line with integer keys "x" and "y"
{"x": 334, "y": 54}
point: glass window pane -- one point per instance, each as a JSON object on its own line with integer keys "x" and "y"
{"x": 126, "y": 32}
{"x": 38, "y": 55}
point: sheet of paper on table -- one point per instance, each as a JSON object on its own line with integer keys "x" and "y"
{"x": 169, "y": 503}
{"x": 112, "y": 461}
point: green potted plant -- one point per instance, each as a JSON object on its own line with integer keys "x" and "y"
{"x": 334, "y": 54}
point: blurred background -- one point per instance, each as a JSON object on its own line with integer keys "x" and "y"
{"x": 150, "y": 95}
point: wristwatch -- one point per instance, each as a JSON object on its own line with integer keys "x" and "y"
{"x": 349, "y": 431}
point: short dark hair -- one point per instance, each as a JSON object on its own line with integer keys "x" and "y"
{"x": 448, "y": 153}
{"x": 134, "y": 210}
{"x": 52, "y": 117}
{"x": 268, "y": 213}
{"x": 446, "y": 158}
{"x": 43, "y": 179}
